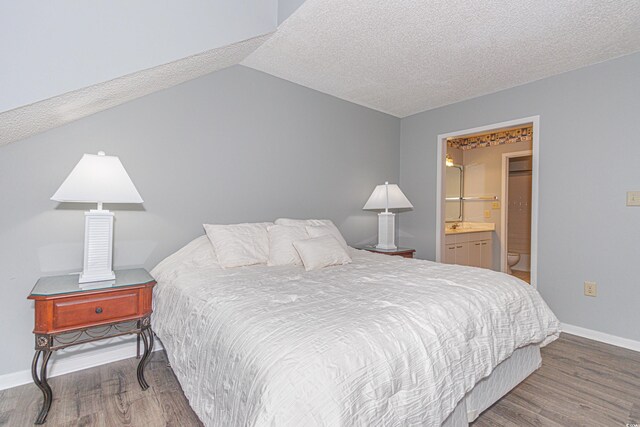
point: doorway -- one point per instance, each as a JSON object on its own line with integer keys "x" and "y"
{"x": 534, "y": 123}
{"x": 515, "y": 223}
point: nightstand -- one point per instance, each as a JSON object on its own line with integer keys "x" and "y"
{"x": 403, "y": 252}
{"x": 66, "y": 315}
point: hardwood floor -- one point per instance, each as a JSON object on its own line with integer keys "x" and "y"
{"x": 104, "y": 396}
{"x": 522, "y": 275}
{"x": 581, "y": 383}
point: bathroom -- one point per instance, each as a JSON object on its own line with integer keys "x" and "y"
{"x": 488, "y": 200}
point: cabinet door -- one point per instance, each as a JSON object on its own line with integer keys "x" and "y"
{"x": 450, "y": 254}
{"x": 487, "y": 254}
{"x": 475, "y": 254}
{"x": 462, "y": 253}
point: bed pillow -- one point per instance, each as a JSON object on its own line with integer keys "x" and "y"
{"x": 302, "y": 222}
{"x": 196, "y": 254}
{"x": 237, "y": 245}
{"x": 320, "y": 252}
{"x": 281, "y": 249}
{"x": 327, "y": 230}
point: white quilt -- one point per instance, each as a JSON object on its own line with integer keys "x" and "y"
{"x": 384, "y": 341}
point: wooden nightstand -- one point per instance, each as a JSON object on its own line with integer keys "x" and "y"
{"x": 67, "y": 315}
{"x": 403, "y": 252}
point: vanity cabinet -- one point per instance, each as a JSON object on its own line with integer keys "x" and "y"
{"x": 472, "y": 249}
{"x": 462, "y": 253}
{"x": 450, "y": 253}
{"x": 475, "y": 254}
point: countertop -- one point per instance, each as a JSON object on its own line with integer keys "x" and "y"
{"x": 471, "y": 227}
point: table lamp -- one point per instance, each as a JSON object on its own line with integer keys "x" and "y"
{"x": 387, "y": 196}
{"x": 98, "y": 179}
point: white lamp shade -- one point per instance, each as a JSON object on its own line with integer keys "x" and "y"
{"x": 98, "y": 178}
{"x": 387, "y": 196}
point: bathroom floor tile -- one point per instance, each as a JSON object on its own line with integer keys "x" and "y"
{"x": 522, "y": 275}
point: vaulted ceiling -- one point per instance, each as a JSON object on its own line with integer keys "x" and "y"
{"x": 396, "y": 56}
{"x": 50, "y": 113}
{"x": 406, "y": 56}
{"x": 65, "y": 60}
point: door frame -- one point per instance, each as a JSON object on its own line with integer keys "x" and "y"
{"x": 441, "y": 145}
{"x": 504, "y": 201}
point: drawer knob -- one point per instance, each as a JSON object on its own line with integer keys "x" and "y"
{"x": 99, "y": 310}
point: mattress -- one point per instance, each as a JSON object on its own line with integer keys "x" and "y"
{"x": 382, "y": 341}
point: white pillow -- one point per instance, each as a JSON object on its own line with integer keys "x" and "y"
{"x": 321, "y": 252}
{"x": 327, "y": 230}
{"x": 196, "y": 254}
{"x": 302, "y": 222}
{"x": 281, "y": 238}
{"x": 237, "y": 245}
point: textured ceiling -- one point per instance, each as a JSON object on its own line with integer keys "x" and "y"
{"x": 57, "y": 111}
{"x": 406, "y": 56}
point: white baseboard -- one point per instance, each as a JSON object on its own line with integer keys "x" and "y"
{"x": 88, "y": 357}
{"x": 601, "y": 336}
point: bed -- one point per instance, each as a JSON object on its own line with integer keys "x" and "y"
{"x": 383, "y": 341}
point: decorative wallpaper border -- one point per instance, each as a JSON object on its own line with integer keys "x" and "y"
{"x": 509, "y": 136}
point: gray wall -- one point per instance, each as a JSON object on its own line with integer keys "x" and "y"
{"x": 286, "y": 8}
{"x": 589, "y": 154}
{"x": 237, "y": 145}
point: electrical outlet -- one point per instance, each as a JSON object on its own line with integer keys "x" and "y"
{"x": 590, "y": 289}
{"x": 495, "y": 205}
{"x": 633, "y": 198}
{"x": 487, "y": 213}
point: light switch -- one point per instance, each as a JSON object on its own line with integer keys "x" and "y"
{"x": 633, "y": 198}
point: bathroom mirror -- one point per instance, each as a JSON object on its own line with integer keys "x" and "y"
{"x": 454, "y": 187}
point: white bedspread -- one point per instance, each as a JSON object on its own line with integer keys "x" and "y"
{"x": 384, "y": 341}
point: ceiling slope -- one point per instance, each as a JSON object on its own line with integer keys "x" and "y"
{"x": 38, "y": 117}
{"x": 51, "y": 48}
{"x": 406, "y": 56}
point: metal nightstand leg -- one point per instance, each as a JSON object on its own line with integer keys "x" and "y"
{"x": 147, "y": 339}
{"x": 42, "y": 383}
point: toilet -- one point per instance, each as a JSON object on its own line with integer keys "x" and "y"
{"x": 512, "y": 259}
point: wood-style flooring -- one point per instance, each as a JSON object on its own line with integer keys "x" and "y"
{"x": 522, "y": 275}
{"x": 581, "y": 383}
{"x": 107, "y": 395}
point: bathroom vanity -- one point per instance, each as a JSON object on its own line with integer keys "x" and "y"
{"x": 466, "y": 243}
{"x": 469, "y": 244}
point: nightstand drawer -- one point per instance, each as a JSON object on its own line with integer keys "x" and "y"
{"x": 94, "y": 309}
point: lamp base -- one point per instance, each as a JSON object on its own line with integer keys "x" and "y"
{"x": 98, "y": 247}
{"x": 386, "y": 231}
